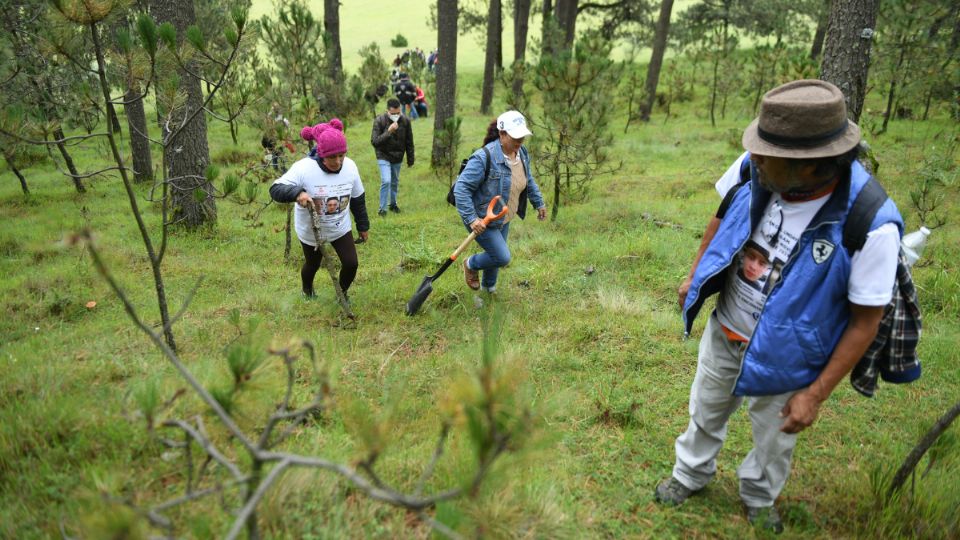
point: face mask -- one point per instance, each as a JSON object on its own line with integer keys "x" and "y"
{"x": 394, "y": 117}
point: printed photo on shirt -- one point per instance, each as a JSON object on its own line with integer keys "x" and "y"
{"x": 332, "y": 206}
{"x": 754, "y": 265}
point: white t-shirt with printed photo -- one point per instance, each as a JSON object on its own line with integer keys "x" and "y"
{"x": 331, "y": 194}
{"x": 758, "y": 266}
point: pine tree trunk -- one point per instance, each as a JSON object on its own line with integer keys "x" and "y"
{"x": 331, "y": 26}
{"x": 114, "y": 119}
{"x": 846, "y": 57}
{"x": 185, "y": 153}
{"x": 16, "y": 171}
{"x": 891, "y": 96}
{"x": 567, "y": 18}
{"x": 446, "y": 98}
{"x": 75, "y": 175}
{"x": 139, "y": 136}
{"x": 521, "y": 25}
{"x": 817, "y": 47}
{"x": 548, "y": 14}
{"x": 494, "y": 32}
{"x": 656, "y": 59}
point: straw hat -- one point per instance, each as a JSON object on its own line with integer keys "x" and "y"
{"x": 802, "y": 120}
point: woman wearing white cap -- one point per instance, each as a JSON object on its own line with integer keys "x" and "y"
{"x": 501, "y": 167}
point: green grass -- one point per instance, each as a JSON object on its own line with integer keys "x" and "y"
{"x": 601, "y": 353}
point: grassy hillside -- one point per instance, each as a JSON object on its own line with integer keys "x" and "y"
{"x": 591, "y": 328}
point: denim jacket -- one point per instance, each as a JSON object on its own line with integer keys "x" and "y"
{"x": 473, "y": 191}
{"x": 807, "y": 311}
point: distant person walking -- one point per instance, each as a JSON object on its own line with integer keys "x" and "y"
{"x": 391, "y": 137}
{"x": 406, "y": 93}
{"x": 796, "y": 311}
{"x": 325, "y": 179}
{"x": 509, "y": 177}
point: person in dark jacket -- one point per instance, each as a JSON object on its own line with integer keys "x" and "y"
{"x": 391, "y": 137}
{"x": 406, "y": 93}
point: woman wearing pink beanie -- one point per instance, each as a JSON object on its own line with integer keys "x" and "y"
{"x": 327, "y": 173}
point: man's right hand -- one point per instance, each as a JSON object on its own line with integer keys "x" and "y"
{"x": 303, "y": 199}
{"x": 478, "y": 226}
{"x": 393, "y": 127}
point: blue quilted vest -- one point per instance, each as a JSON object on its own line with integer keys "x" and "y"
{"x": 807, "y": 311}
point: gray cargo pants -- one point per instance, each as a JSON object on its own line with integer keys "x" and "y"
{"x": 764, "y": 471}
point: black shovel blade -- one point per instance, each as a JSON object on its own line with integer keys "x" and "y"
{"x": 418, "y": 298}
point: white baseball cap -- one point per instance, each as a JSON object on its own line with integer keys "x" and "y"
{"x": 514, "y": 124}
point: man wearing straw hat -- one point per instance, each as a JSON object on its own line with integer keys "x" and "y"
{"x": 784, "y": 347}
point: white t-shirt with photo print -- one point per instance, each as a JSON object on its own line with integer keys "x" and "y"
{"x": 757, "y": 268}
{"x": 331, "y": 194}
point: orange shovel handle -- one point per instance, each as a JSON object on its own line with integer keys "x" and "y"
{"x": 490, "y": 215}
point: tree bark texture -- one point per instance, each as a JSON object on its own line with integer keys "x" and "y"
{"x": 500, "y": 39}
{"x": 494, "y": 33}
{"x": 186, "y": 154}
{"x": 567, "y": 18}
{"x": 114, "y": 119}
{"x": 846, "y": 57}
{"x": 545, "y": 26}
{"x": 521, "y": 25}
{"x": 331, "y": 26}
{"x": 75, "y": 174}
{"x": 16, "y": 171}
{"x": 656, "y": 58}
{"x": 446, "y": 98}
{"x": 817, "y": 47}
{"x": 139, "y": 141}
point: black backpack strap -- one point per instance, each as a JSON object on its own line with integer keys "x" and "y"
{"x": 861, "y": 215}
{"x": 747, "y": 171}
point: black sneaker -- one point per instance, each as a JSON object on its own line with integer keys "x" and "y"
{"x": 395, "y": 209}
{"x": 671, "y": 492}
{"x": 382, "y": 212}
{"x": 766, "y": 518}
{"x": 308, "y": 294}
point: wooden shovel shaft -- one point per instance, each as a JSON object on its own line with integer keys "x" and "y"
{"x": 456, "y": 253}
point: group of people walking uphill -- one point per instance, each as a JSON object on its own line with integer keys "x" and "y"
{"x": 796, "y": 309}
{"x": 327, "y": 188}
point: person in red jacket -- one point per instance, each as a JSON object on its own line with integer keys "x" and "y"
{"x": 420, "y": 103}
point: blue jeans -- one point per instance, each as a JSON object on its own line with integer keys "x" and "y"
{"x": 409, "y": 110}
{"x": 495, "y": 255}
{"x": 389, "y": 182}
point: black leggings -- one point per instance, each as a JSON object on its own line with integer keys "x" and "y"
{"x": 346, "y": 251}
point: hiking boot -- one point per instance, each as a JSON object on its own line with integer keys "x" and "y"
{"x": 766, "y": 518}
{"x": 382, "y": 212}
{"x": 472, "y": 277}
{"x": 671, "y": 492}
{"x": 395, "y": 209}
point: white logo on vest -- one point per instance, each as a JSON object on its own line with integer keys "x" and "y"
{"x": 821, "y": 250}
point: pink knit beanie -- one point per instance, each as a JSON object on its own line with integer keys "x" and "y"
{"x": 329, "y": 137}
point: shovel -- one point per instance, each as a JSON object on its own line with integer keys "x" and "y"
{"x": 426, "y": 287}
